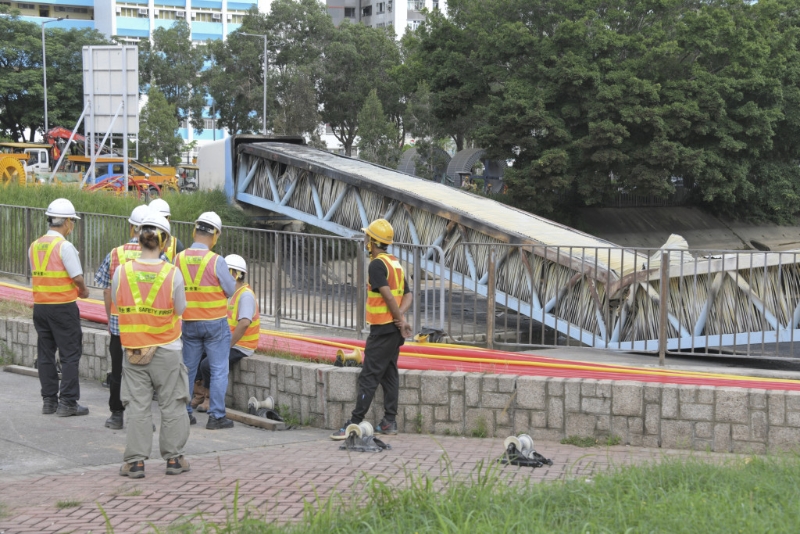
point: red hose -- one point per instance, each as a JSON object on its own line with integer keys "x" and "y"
{"x": 412, "y": 356}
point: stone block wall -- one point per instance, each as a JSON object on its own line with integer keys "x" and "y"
{"x": 722, "y": 419}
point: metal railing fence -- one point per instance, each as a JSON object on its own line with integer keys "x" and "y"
{"x": 304, "y": 278}
{"x": 738, "y": 303}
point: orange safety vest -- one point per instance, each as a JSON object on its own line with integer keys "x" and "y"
{"x": 120, "y": 255}
{"x": 171, "y": 249}
{"x": 377, "y": 310}
{"x": 250, "y": 338}
{"x": 51, "y": 282}
{"x": 205, "y": 299}
{"x": 149, "y": 321}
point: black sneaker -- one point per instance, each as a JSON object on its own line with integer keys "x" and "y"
{"x": 107, "y": 382}
{"x": 218, "y": 423}
{"x": 176, "y": 466}
{"x": 192, "y": 420}
{"x": 115, "y": 421}
{"x": 387, "y": 428}
{"x": 67, "y": 409}
{"x": 50, "y": 405}
{"x": 340, "y": 434}
{"x": 132, "y": 469}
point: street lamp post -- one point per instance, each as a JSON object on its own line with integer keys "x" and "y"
{"x": 44, "y": 69}
{"x": 264, "y": 110}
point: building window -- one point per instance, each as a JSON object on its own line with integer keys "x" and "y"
{"x": 366, "y": 12}
{"x": 129, "y": 12}
{"x": 236, "y": 18}
{"x": 26, "y": 6}
{"x": 350, "y": 12}
{"x": 207, "y": 17}
{"x": 414, "y": 24}
{"x": 165, "y": 14}
{"x": 381, "y": 7}
{"x": 436, "y": 4}
{"x": 416, "y": 5}
{"x": 380, "y": 25}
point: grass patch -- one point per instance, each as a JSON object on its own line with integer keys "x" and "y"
{"x": 480, "y": 430}
{"x": 3, "y": 510}
{"x": 184, "y": 207}
{"x": 68, "y": 504}
{"x": 676, "y": 495}
{"x": 14, "y": 308}
{"x": 289, "y": 417}
{"x": 418, "y": 420}
{"x": 135, "y": 492}
{"x": 591, "y": 442}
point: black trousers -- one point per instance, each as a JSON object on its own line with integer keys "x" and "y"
{"x": 379, "y": 368}
{"x": 204, "y": 369}
{"x": 58, "y": 327}
{"x": 115, "y": 381}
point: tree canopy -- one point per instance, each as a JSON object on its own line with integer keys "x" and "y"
{"x": 21, "y": 80}
{"x": 586, "y": 99}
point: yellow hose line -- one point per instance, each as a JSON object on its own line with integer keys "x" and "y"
{"x": 636, "y": 371}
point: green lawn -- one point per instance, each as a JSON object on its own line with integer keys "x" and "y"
{"x": 744, "y": 494}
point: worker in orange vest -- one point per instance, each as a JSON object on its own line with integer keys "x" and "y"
{"x": 209, "y": 284}
{"x": 159, "y": 205}
{"x": 388, "y": 300}
{"x": 57, "y": 279}
{"x": 102, "y": 278}
{"x": 244, "y": 321}
{"x": 149, "y": 295}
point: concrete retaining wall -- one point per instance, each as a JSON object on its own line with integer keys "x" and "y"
{"x": 720, "y": 419}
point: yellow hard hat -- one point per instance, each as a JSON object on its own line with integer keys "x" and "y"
{"x": 381, "y": 231}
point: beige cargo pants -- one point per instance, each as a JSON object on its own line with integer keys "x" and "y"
{"x": 167, "y": 375}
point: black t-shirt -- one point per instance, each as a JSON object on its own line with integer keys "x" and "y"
{"x": 377, "y": 279}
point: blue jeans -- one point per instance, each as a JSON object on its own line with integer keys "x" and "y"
{"x": 213, "y": 338}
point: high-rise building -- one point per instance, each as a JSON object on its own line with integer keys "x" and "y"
{"x": 76, "y": 13}
{"x": 401, "y": 14}
{"x": 133, "y": 20}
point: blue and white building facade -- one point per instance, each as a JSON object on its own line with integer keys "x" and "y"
{"x": 133, "y": 20}
{"x": 76, "y": 13}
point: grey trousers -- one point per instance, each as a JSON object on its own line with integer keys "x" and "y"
{"x": 167, "y": 375}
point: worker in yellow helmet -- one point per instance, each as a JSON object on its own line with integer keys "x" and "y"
{"x": 388, "y": 300}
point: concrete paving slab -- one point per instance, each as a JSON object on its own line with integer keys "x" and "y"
{"x": 35, "y": 443}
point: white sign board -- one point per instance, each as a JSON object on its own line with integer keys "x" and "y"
{"x": 110, "y": 77}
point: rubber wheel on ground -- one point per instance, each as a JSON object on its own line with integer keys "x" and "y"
{"x": 152, "y": 192}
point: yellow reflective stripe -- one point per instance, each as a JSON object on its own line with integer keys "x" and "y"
{"x": 209, "y": 304}
{"x": 50, "y": 274}
{"x": 157, "y": 279}
{"x": 53, "y": 289}
{"x": 199, "y": 276}
{"x": 204, "y": 289}
{"x": 133, "y": 329}
{"x": 252, "y": 337}
{"x": 50, "y": 247}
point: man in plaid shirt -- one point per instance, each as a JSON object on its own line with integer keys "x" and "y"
{"x": 103, "y": 278}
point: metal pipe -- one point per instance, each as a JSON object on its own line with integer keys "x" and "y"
{"x": 662, "y": 309}
{"x": 44, "y": 71}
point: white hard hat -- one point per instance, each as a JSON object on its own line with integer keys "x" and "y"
{"x": 158, "y": 221}
{"x": 160, "y": 205}
{"x": 210, "y": 218}
{"x": 138, "y": 215}
{"x": 62, "y": 209}
{"x": 237, "y": 262}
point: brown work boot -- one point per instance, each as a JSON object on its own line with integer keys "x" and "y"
{"x": 200, "y": 393}
{"x": 176, "y": 466}
{"x": 204, "y": 406}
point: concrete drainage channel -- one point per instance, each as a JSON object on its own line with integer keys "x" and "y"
{"x": 721, "y": 419}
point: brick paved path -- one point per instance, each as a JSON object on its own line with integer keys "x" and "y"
{"x": 275, "y": 480}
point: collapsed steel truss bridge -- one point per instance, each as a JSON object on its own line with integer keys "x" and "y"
{"x": 588, "y": 289}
